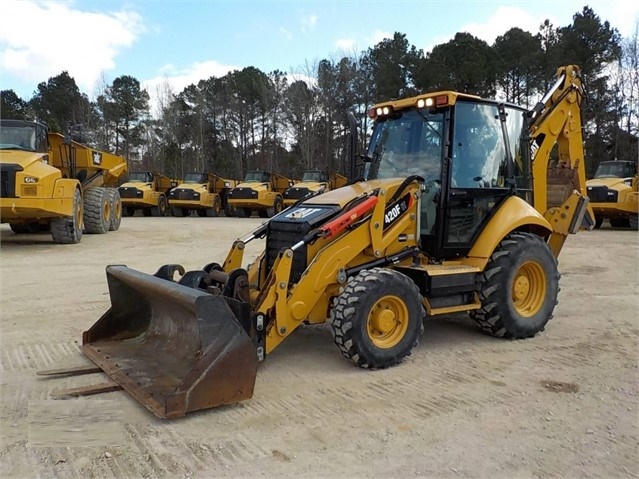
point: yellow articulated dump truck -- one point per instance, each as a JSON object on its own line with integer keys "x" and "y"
{"x": 205, "y": 193}
{"x": 313, "y": 182}
{"x": 614, "y": 195}
{"x": 146, "y": 191}
{"x": 49, "y": 181}
{"x": 372, "y": 259}
{"x": 260, "y": 191}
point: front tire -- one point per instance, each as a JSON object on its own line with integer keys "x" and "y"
{"x": 518, "y": 289}
{"x": 378, "y": 319}
{"x": 69, "y": 230}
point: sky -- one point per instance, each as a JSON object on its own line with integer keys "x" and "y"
{"x": 177, "y": 43}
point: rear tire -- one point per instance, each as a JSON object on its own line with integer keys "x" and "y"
{"x": 214, "y": 212}
{"x": 116, "y": 209}
{"x": 97, "y": 211}
{"x": 634, "y": 222}
{"x": 378, "y": 319}
{"x": 69, "y": 230}
{"x": 518, "y": 289}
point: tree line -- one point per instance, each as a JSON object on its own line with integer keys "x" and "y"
{"x": 249, "y": 119}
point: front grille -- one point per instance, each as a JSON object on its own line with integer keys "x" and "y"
{"x": 8, "y": 180}
{"x": 129, "y": 192}
{"x": 601, "y": 194}
{"x": 183, "y": 194}
{"x": 295, "y": 193}
{"x": 285, "y": 235}
{"x": 241, "y": 194}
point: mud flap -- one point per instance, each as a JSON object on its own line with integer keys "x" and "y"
{"x": 175, "y": 349}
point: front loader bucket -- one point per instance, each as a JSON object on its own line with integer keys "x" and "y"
{"x": 173, "y": 348}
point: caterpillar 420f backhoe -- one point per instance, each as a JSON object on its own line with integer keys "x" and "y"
{"x": 460, "y": 208}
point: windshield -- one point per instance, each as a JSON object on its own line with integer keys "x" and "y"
{"x": 195, "y": 178}
{"x": 257, "y": 177}
{"x": 140, "y": 176}
{"x": 315, "y": 176}
{"x": 407, "y": 143}
{"x": 18, "y": 137}
{"x": 616, "y": 169}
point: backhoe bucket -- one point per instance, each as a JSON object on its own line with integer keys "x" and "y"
{"x": 173, "y": 348}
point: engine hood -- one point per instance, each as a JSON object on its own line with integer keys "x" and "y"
{"x": 614, "y": 183}
{"x": 20, "y": 157}
{"x": 343, "y": 195}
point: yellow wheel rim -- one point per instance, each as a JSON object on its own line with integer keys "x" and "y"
{"x": 117, "y": 209}
{"x": 387, "y": 322}
{"x": 106, "y": 211}
{"x": 529, "y": 289}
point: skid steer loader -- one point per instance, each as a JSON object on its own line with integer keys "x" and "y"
{"x": 460, "y": 208}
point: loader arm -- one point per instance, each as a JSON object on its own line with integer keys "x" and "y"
{"x": 559, "y": 188}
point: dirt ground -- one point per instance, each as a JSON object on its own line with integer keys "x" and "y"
{"x": 563, "y": 404}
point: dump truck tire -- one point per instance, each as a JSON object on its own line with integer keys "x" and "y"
{"x": 634, "y": 222}
{"x": 229, "y": 211}
{"x": 97, "y": 211}
{"x": 160, "y": 209}
{"x": 24, "y": 228}
{"x": 214, "y": 212}
{"x": 116, "y": 209}
{"x": 275, "y": 209}
{"x": 69, "y": 230}
{"x": 180, "y": 212}
{"x": 598, "y": 222}
{"x": 243, "y": 212}
{"x": 518, "y": 289}
{"x": 378, "y": 319}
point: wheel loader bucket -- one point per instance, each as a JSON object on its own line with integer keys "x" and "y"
{"x": 173, "y": 348}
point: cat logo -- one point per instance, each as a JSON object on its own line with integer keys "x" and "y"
{"x": 300, "y": 213}
{"x": 394, "y": 212}
{"x": 97, "y": 158}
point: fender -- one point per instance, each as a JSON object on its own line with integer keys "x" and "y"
{"x": 514, "y": 214}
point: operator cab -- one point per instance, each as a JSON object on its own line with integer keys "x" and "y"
{"x": 141, "y": 177}
{"x": 257, "y": 177}
{"x": 23, "y": 135}
{"x": 467, "y": 151}
{"x": 315, "y": 176}
{"x": 196, "y": 178}
{"x": 616, "y": 169}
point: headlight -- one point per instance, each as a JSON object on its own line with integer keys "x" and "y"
{"x": 227, "y": 184}
{"x": 30, "y": 179}
{"x": 254, "y": 194}
{"x": 627, "y": 182}
{"x": 196, "y": 195}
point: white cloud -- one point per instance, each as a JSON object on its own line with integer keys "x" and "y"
{"x": 379, "y": 35}
{"x": 43, "y": 39}
{"x": 308, "y": 22}
{"x": 176, "y": 80}
{"x": 285, "y": 33}
{"x": 346, "y": 43}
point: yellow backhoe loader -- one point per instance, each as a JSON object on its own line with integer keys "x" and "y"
{"x": 51, "y": 182}
{"x": 205, "y": 193}
{"x": 146, "y": 191}
{"x": 313, "y": 182}
{"x": 460, "y": 208}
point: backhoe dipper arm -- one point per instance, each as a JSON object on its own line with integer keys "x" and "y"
{"x": 559, "y": 191}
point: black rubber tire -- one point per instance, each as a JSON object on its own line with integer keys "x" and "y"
{"x": 619, "y": 222}
{"x": 598, "y": 222}
{"x": 214, "y": 212}
{"x": 162, "y": 206}
{"x": 277, "y": 207}
{"x": 518, "y": 263}
{"x": 634, "y": 222}
{"x": 179, "y": 212}
{"x": 244, "y": 212}
{"x": 69, "y": 230}
{"x": 229, "y": 211}
{"x": 97, "y": 211}
{"x": 116, "y": 209}
{"x": 25, "y": 228}
{"x": 354, "y": 311}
